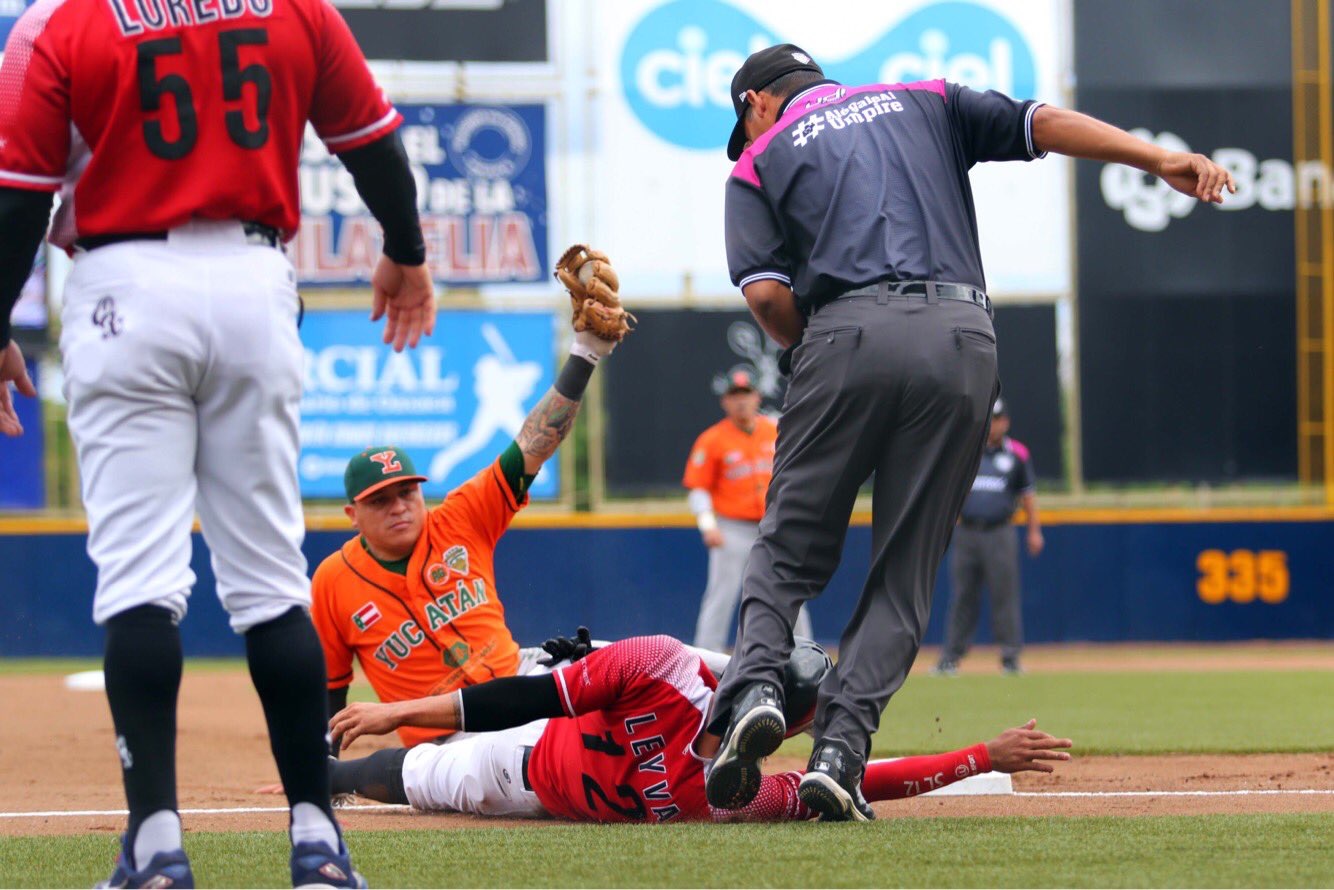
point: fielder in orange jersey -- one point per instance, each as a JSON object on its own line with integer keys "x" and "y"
{"x": 413, "y": 595}
{"x": 728, "y": 475}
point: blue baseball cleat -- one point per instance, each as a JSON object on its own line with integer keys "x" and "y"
{"x": 315, "y": 864}
{"x": 163, "y": 870}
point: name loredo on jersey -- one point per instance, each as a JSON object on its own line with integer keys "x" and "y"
{"x": 154, "y": 15}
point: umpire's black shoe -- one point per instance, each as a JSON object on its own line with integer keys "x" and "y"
{"x": 757, "y": 728}
{"x": 832, "y": 784}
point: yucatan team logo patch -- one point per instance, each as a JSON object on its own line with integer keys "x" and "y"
{"x": 366, "y": 616}
{"x": 456, "y": 558}
{"x": 437, "y": 574}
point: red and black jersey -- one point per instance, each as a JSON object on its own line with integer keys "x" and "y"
{"x": 627, "y": 755}
{"x": 149, "y": 113}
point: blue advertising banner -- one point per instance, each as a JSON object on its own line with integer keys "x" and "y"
{"x": 23, "y": 477}
{"x": 481, "y": 188}
{"x": 453, "y": 403}
{"x": 10, "y": 10}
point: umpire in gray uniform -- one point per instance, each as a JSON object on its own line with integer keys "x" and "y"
{"x": 851, "y": 232}
{"x": 985, "y": 548}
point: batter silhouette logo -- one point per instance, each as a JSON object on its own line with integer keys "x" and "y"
{"x": 677, "y": 63}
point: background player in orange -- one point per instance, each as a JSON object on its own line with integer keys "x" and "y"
{"x": 413, "y": 595}
{"x": 172, "y": 131}
{"x": 622, "y": 741}
{"x": 728, "y": 477}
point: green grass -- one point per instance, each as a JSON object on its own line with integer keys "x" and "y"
{"x": 1141, "y": 712}
{"x": 1210, "y": 851}
{"x": 74, "y": 665}
{"x": 1116, "y": 713}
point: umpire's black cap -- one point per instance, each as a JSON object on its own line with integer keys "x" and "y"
{"x": 756, "y": 73}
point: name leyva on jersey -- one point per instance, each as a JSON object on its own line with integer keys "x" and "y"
{"x": 154, "y": 15}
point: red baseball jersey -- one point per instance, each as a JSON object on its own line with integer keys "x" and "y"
{"x": 626, "y": 751}
{"x": 627, "y": 755}
{"x": 147, "y": 113}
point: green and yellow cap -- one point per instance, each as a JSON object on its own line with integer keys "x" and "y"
{"x": 376, "y": 467}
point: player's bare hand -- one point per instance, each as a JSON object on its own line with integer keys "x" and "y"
{"x": 712, "y": 538}
{"x": 1035, "y": 542}
{"x": 363, "y": 718}
{"x": 1196, "y": 175}
{"x": 13, "y": 368}
{"x": 406, "y": 295}
{"x": 1026, "y": 748}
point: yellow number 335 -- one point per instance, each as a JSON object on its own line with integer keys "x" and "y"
{"x": 1242, "y": 576}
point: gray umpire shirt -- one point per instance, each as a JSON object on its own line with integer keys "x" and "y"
{"x": 1006, "y": 473}
{"x": 855, "y": 185}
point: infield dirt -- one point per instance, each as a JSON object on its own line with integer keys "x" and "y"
{"x": 63, "y": 760}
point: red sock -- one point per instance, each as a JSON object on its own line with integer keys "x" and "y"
{"x": 910, "y": 776}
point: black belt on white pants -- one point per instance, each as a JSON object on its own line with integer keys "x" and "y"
{"x": 255, "y": 233}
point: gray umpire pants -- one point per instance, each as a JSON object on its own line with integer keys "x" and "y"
{"x": 726, "y": 563}
{"x": 901, "y": 388}
{"x": 989, "y": 556}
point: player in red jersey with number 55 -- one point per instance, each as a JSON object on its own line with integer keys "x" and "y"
{"x": 172, "y": 130}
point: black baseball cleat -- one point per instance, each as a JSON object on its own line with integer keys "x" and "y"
{"x": 832, "y": 784}
{"x": 757, "y": 729}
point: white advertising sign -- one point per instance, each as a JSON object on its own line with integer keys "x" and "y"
{"x": 664, "y": 117}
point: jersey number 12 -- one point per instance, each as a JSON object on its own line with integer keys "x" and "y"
{"x": 234, "y": 78}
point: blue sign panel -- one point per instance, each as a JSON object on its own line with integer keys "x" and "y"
{"x": 10, "y": 10}
{"x": 481, "y": 188}
{"x": 23, "y": 479}
{"x": 678, "y": 60}
{"x": 453, "y": 403}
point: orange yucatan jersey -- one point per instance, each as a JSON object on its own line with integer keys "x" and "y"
{"x": 440, "y": 627}
{"x": 152, "y": 112}
{"x": 734, "y": 467}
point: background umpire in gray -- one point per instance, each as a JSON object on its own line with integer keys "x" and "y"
{"x": 985, "y": 548}
{"x": 851, "y": 232}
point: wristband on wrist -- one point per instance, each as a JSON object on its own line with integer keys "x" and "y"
{"x": 584, "y": 351}
{"x": 706, "y": 521}
{"x": 574, "y": 376}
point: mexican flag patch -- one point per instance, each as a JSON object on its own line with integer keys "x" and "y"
{"x": 364, "y": 617}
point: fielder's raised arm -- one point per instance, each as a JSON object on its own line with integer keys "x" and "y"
{"x": 600, "y": 322}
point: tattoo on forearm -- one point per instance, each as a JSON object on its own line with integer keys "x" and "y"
{"x": 547, "y": 426}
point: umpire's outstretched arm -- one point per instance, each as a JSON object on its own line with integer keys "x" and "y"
{"x": 1070, "y": 133}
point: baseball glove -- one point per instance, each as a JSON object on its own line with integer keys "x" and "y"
{"x": 592, "y": 284}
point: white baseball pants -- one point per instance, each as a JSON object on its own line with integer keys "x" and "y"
{"x": 717, "y": 609}
{"x": 183, "y": 376}
{"x": 480, "y": 773}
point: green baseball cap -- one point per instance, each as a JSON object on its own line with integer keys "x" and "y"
{"x": 376, "y": 467}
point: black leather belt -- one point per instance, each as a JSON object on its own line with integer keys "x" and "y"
{"x": 527, "y": 752}
{"x": 255, "y": 233}
{"x": 923, "y": 290}
{"x": 979, "y": 525}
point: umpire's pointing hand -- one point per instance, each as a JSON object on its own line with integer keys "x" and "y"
{"x": 1196, "y": 175}
{"x": 407, "y": 296}
{"x": 13, "y": 368}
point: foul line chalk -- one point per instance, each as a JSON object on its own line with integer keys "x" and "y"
{"x": 1239, "y": 793}
{"x": 392, "y": 808}
{"x": 365, "y": 808}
